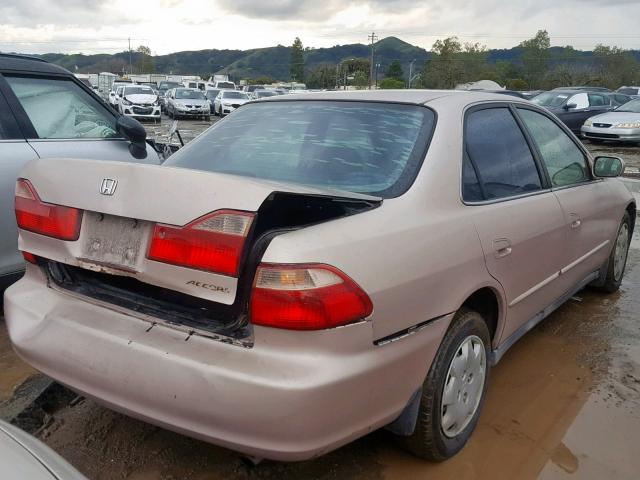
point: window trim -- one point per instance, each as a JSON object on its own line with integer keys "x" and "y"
{"x": 24, "y": 122}
{"x": 572, "y": 137}
{"x": 543, "y": 176}
{"x": 8, "y": 120}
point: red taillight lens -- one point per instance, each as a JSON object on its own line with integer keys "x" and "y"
{"x": 30, "y": 257}
{"x": 34, "y": 215}
{"x": 306, "y": 297}
{"x": 213, "y": 242}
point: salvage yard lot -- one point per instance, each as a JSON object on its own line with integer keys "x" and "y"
{"x": 563, "y": 403}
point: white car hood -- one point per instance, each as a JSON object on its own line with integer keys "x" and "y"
{"x": 143, "y": 98}
{"x": 616, "y": 117}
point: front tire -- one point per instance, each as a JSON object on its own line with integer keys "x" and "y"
{"x": 618, "y": 257}
{"x": 454, "y": 390}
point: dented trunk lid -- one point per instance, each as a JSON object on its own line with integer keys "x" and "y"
{"x": 122, "y": 202}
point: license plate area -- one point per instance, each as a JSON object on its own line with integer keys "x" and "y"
{"x": 113, "y": 241}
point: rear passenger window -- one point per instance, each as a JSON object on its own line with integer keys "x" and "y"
{"x": 503, "y": 161}
{"x": 565, "y": 162}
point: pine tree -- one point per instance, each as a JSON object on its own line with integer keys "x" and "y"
{"x": 297, "y": 61}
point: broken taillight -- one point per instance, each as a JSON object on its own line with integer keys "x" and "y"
{"x": 36, "y": 216}
{"x": 306, "y": 297}
{"x": 213, "y": 243}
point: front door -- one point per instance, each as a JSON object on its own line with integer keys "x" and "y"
{"x": 66, "y": 121}
{"x": 586, "y": 202}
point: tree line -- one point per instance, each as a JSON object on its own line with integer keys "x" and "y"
{"x": 537, "y": 67}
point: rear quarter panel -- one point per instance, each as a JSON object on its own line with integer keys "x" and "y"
{"x": 417, "y": 256}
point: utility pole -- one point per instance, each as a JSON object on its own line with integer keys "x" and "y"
{"x": 373, "y": 39}
{"x": 377, "y": 67}
{"x": 130, "y": 69}
{"x": 411, "y": 72}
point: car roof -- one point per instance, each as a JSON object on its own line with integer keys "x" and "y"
{"x": 417, "y": 97}
{"x": 25, "y": 63}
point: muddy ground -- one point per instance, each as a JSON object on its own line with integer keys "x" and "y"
{"x": 563, "y": 403}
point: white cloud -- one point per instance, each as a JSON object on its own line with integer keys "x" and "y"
{"x": 100, "y": 26}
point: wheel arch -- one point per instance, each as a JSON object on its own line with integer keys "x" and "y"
{"x": 488, "y": 301}
{"x": 632, "y": 210}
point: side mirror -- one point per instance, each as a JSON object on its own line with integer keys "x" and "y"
{"x": 607, "y": 167}
{"x": 132, "y": 130}
{"x": 570, "y": 106}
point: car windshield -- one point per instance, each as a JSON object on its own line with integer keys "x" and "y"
{"x": 211, "y": 94}
{"x": 632, "y": 107}
{"x": 138, "y": 91}
{"x": 550, "y": 99}
{"x": 628, "y": 90}
{"x": 226, "y": 85}
{"x": 232, "y": 94}
{"x": 189, "y": 94}
{"x": 265, "y": 94}
{"x": 373, "y": 148}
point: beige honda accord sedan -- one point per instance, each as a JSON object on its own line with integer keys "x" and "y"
{"x": 315, "y": 267}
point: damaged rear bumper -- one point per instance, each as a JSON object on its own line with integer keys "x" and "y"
{"x": 292, "y": 396}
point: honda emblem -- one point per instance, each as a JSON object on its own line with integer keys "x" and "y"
{"x": 108, "y": 186}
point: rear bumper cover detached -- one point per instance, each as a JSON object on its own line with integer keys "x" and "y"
{"x": 292, "y": 396}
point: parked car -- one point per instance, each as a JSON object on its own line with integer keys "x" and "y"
{"x": 307, "y": 281}
{"x": 258, "y": 94}
{"x": 24, "y": 457}
{"x": 249, "y": 89}
{"x": 631, "y": 91}
{"x": 187, "y": 102}
{"x": 139, "y": 101}
{"x": 164, "y": 86}
{"x": 224, "y": 85}
{"x": 621, "y": 125}
{"x": 228, "y": 100}
{"x": 585, "y": 89}
{"x": 46, "y": 112}
{"x": 574, "y": 107}
{"x": 113, "y": 93}
{"x": 211, "y": 94}
{"x": 512, "y": 93}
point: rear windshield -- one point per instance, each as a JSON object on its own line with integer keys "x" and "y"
{"x": 373, "y": 148}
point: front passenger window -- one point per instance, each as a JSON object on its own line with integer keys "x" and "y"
{"x": 565, "y": 162}
{"x": 59, "y": 108}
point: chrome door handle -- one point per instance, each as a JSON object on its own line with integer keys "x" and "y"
{"x": 575, "y": 221}
{"x": 502, "y": 248}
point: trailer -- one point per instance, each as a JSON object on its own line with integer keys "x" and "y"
{"x": 105, "y": 81}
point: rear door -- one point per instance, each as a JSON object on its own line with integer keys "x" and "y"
{"x": 518, "y": 219}
{"x": 588, "y": 206}
{"x": 61, "y": 119}
{"x": 15, "y": 152}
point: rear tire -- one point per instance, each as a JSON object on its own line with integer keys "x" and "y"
{"x": 461, "y": 367}
{"x": 618, "y": 258}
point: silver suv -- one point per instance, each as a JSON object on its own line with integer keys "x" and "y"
{"x": 46, "y": 112}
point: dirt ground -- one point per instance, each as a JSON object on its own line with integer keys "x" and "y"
{"x": 563, "y": 403}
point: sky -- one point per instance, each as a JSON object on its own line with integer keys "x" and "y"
{"x": 104, "y": 26}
